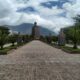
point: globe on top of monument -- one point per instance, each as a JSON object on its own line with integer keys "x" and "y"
{"x": 35, "y": 24}
{"x": 35, "y": 31}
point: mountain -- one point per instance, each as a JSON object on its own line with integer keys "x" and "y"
{"x": 26, "y": 28}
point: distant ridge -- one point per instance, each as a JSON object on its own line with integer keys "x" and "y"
{"x": 26, "y": 28}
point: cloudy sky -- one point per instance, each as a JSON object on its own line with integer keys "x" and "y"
{"x": 51, "y": 14}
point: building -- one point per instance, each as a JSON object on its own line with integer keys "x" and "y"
{"x": 36, "y": 31}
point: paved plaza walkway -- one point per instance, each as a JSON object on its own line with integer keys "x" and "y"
{"x": 39, "y": 61}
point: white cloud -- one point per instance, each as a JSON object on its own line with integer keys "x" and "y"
{"x": 46, "y": 17}
{"x": 72, "y": 9}
{"x": 6, "y": 8}
{"x": 44, "y": 11}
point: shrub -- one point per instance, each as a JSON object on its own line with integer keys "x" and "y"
{"x": 3, "y": 52}
{"x": 70, "y": 50}
{"x": 13, "y": 47}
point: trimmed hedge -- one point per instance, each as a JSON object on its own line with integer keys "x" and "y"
{"x": 3, "y": 52}
{"x": 67, "y": 49}
{"x": 71, "y": 50}
{"x": 13, "y": 47}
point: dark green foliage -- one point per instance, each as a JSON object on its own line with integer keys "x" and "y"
{"x": 4, "y": 31}
{"x": 13, "y": 38}
{"x": 43, "y": 38}
{"x": 71, "y": 50}
{"x": 3, "y": 52}
{"x": 54, "y": 38}
{"x": 73, "y": 32}
{"x": 48, "y": 39}
{"x": 26, "y": 38}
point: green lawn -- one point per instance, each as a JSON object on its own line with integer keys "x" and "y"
{"x": 70, "y": 49}
{"x": 6, "y": 49}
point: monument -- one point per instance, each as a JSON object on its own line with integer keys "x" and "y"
{"x": 61, "y": 38}
{"x": 36, "y": 31}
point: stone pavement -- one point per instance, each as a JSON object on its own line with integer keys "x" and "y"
{"x": 39, "y": 61}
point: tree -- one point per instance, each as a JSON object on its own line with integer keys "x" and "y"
{"x": 73, "y": 32}
{"x": 43, "y": 38}
{"x": 76, "y": 31}
{"x": 13, "y": 38}
{"x": 4, "y": 31}
{"x": 55, "y": 38}
{"x": 26, "y": 38}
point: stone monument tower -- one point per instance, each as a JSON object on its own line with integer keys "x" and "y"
{"x": 36, "y": 31}
{"x": 61, "y": 38}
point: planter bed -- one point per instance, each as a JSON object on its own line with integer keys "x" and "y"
{"x": 3, "y": 52}
{"x": 71, "y": 50}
